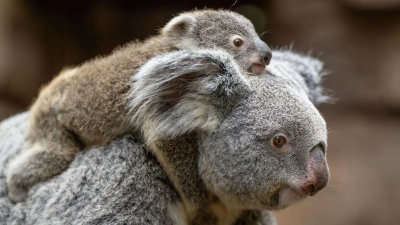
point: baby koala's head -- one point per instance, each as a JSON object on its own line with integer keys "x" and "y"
{"x": 227, "y": 30}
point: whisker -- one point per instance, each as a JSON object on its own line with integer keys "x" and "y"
{"x": 332, "y": 190}
{"x": 335, "y": 149}
{"x": 233, "y": 5}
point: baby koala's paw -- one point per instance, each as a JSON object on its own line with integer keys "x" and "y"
{"x": 17, "y": 194}
{"x": 32, "y": 166}
{"x": 20, "y": 178}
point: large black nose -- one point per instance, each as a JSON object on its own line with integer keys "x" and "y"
{"x": 265, "y": 51}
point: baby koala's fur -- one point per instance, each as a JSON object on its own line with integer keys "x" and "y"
{"x": 85, "y": 105}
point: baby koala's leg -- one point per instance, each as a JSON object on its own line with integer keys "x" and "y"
{"x": 46, "y": 157}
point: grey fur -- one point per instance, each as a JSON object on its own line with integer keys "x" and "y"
{"x": 230, "y": 173}
{"x": 85, "y": 105}
{"x": 120, "y": 183}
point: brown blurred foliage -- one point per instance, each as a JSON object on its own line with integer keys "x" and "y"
{"x": 358, "y": 39}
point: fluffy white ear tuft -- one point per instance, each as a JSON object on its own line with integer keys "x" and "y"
{"x": 178, "y": 30}
{"x": 184, "y": 91}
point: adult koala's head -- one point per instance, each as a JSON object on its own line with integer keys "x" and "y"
{"x": 270, "y": 151}
{"x": 260, "y": 141}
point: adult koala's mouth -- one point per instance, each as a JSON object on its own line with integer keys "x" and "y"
{"x": 289, "y": 195}
{"x": 284, "y": 196}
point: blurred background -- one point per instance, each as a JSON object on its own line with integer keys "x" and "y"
{"x": 359, "y": 40}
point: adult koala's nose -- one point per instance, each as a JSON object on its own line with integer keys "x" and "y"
{"x": 317, "y": 176}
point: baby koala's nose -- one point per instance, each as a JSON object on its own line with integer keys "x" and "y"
{"x": 265, "y": 51}
{"x": 267, "y": 57}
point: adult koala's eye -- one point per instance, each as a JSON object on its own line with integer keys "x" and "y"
{"x": 279, "y": 141}
{"x": 237, "y": 42}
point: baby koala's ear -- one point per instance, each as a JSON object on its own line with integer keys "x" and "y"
{"x": 179, "y": 29}
{"x": 308, "y": 72}
{"x": 184, "y": 91}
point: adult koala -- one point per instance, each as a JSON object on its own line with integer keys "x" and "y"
{"x": 213, "y": 147}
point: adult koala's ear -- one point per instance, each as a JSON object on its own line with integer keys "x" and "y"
{"x": 184, "y": 91}
{"x": 179, "y": 29}
{"x": 306, "y": 71}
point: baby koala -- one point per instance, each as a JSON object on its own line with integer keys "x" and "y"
{"x": 85, "y": 105}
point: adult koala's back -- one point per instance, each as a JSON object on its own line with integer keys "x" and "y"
{"x": 251, "y": 144}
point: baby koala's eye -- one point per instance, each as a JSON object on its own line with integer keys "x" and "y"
{"x": 237, "y": 42}
{"x": 279, "y": 141}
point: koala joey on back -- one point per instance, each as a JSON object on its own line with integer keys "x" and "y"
{"x": 84, "y": 105}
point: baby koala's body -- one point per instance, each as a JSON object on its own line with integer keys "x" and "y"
{"x": 86, "y": 105}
